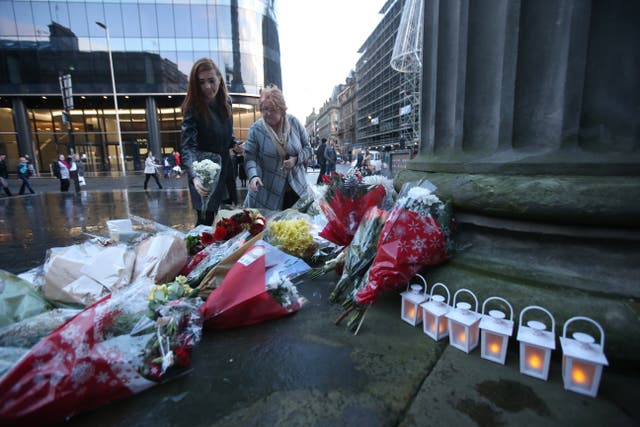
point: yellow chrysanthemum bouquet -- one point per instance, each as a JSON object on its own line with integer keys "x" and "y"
{"x": 290, "y": 232}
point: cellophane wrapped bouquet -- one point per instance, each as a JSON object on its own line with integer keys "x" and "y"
{"x": 291, "y": 232}
{"x": 359, "y": 255}
{"x": 417, "y": 234}
{"x": 119, "y": 346}
{"x": 259, "y": 287}
{"x": 345, "y": 202}
{"x": 245, "y": 220}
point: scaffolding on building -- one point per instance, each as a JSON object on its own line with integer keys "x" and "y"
{"x": 407, "y": 59}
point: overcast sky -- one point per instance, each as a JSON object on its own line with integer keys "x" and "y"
{"x": 319, "y": 43}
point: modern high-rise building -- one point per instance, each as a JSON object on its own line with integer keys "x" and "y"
{"x": 153, "y": 44}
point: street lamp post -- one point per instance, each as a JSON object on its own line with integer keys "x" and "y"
{"x": 115, "y": 97}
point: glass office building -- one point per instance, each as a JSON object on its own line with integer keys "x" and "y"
{"x": 153, "y": 46}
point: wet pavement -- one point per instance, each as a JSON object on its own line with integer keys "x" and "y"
{"x": 302, "y": 370}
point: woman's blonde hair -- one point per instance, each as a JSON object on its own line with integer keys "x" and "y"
{"x": 274, "y": 95}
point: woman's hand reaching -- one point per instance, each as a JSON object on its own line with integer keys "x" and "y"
{"x": 255, "y": 183}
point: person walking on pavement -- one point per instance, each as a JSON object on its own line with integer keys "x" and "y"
{"x": 321, "y": 160}
{"x": 61, "y": 171}
{"x": 80, "y": 167}
{"x": 150, "y": 166}
{"x": 73, "y": 172}
{"x": 330, "y": 157}
{"x": 166, "y": 166}
{"x": 177, "y": 166}
{"x": 23, "y": 173}
{"x": 4, "y": 175}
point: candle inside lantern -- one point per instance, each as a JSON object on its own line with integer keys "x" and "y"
{"x": 494, "y": 344}
{"x": 411, "y": 312}
{"x": 535, "y": 361}
{"x": 582, "y": 373}
{"x": 462, "y": 337}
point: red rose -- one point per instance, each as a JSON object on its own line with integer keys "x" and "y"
{"x": 220, "y": 233}
{"x": 182, "y": 356}
{"x": 256, "y": 228}
{"x": 207, "y": 238}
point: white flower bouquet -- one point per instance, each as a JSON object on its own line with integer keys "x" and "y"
{"x": 208, "y": 171}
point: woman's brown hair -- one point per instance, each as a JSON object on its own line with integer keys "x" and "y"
{"x": 195, "y": 99}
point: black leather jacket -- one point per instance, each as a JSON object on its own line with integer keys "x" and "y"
{"x": 215, "y": 136}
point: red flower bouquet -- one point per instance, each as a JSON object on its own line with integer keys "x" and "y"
{"x": 246, "y": 220}
{"x": 256, "y": 289}
{"x": 417, "y": 234}
{"x": 344, "y": 204}
{"x": 108, "y": 351}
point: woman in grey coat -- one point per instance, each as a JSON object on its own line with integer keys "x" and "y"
{"x": 275, "y": 153}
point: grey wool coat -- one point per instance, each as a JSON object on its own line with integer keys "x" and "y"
{"x": 262, "y": 160}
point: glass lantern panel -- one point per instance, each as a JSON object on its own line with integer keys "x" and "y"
{"x": 534, "y": 359}
{"x": 494, "y": 345}
{"x": 408, "y": 310}
{"x": 474, "y": 332}
{"x": 581, "y": 374}
{"x": 458, "y": 334}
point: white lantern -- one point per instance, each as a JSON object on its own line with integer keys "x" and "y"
{"x": 415, "y": 295}
{"x": 463, "y": 323}
{"x": 536, "y": 344}
{"x": 433, "y": 313}
{"x": 495, "y": 331}
{"x": 582, "y": 359}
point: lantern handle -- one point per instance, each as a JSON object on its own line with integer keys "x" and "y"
{"x": 440, "y": 285}
{"x": 423, "y": 281}
{"x": 499, "y": 299}
{"x": 537, "y": 307}
{"x": 470, "y": 293}
{"x": 586, "y": 319}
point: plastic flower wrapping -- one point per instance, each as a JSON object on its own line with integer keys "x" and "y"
{"x": 290, "y": 231}
{"x": 346, "y": 200}
{"x": 208, "y": 170}
{"x": 259, "y": 287}
{"x": 417, "y": 234}
{"x": 246, "y": 220}
{"x": 110, "y": 350}
{"x": 360, "y": 252}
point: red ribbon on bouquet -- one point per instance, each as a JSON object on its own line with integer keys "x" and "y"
{"x": 344, "y": 214}
{"x": 408, "y": 242}
{"x": 242, "y": 298}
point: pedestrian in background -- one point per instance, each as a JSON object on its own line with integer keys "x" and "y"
{"x": 24, "y": 173}
{"x": 207, "y": 131}
{"x": 238, "y": 151}
{"x": 321, "y": 160}
{"x": 275, "y": 152}
{"x": 330, "y": 157}
{"x": 80, "y": 167}
{"x": 177, "y": 167}
{"x": 73, "y": 172}
{"x": 4, "y": 174}
{"x": 150, "y": 166}
{"x": 166, "y": 166}
{"x": 61, "y": 171}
